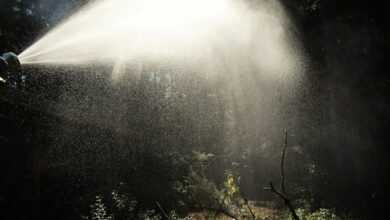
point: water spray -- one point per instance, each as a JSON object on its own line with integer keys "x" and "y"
{"x": 211, "y": 36}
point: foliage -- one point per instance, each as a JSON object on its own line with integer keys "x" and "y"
{"x": 124, "y": 208}
{"x": 231, "y": 189}
{"x": 320, "y": 214}
{"x": 98, "y": 211}
{"x": 207, "y": 195}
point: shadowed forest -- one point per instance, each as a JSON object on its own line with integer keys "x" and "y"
{"x": 169, "y": 142}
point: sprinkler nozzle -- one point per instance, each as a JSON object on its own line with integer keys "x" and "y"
{"x": 12, "y": 60}
{"x": 3, "y": 65}
{"x": 10, "y": 67}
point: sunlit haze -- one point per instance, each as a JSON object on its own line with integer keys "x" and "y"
{"x": 197, "y": 32}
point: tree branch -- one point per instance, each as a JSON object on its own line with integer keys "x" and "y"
{"x": 250, "y": 209}
{"x": 286, "y": 200}
{"x": 222, "y": 211}
{"x": 282, "y": 194}
{"x": 282, "y": 176}
{"x": 162, "y": 210}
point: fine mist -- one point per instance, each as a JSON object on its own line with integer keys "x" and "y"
{"x": 250, "y": 53}
{"x": 181, "y": 32}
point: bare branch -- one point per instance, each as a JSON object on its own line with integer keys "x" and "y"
{"x": 162, "y": 210}
{"x": 250, "y": 209}
{"x": 222, "y": 211}
{"x": 219, "y": 210}
{"x": 282, "y": 176}
{"x": 286, "y": 200}
{"x": 282, "y": 194}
